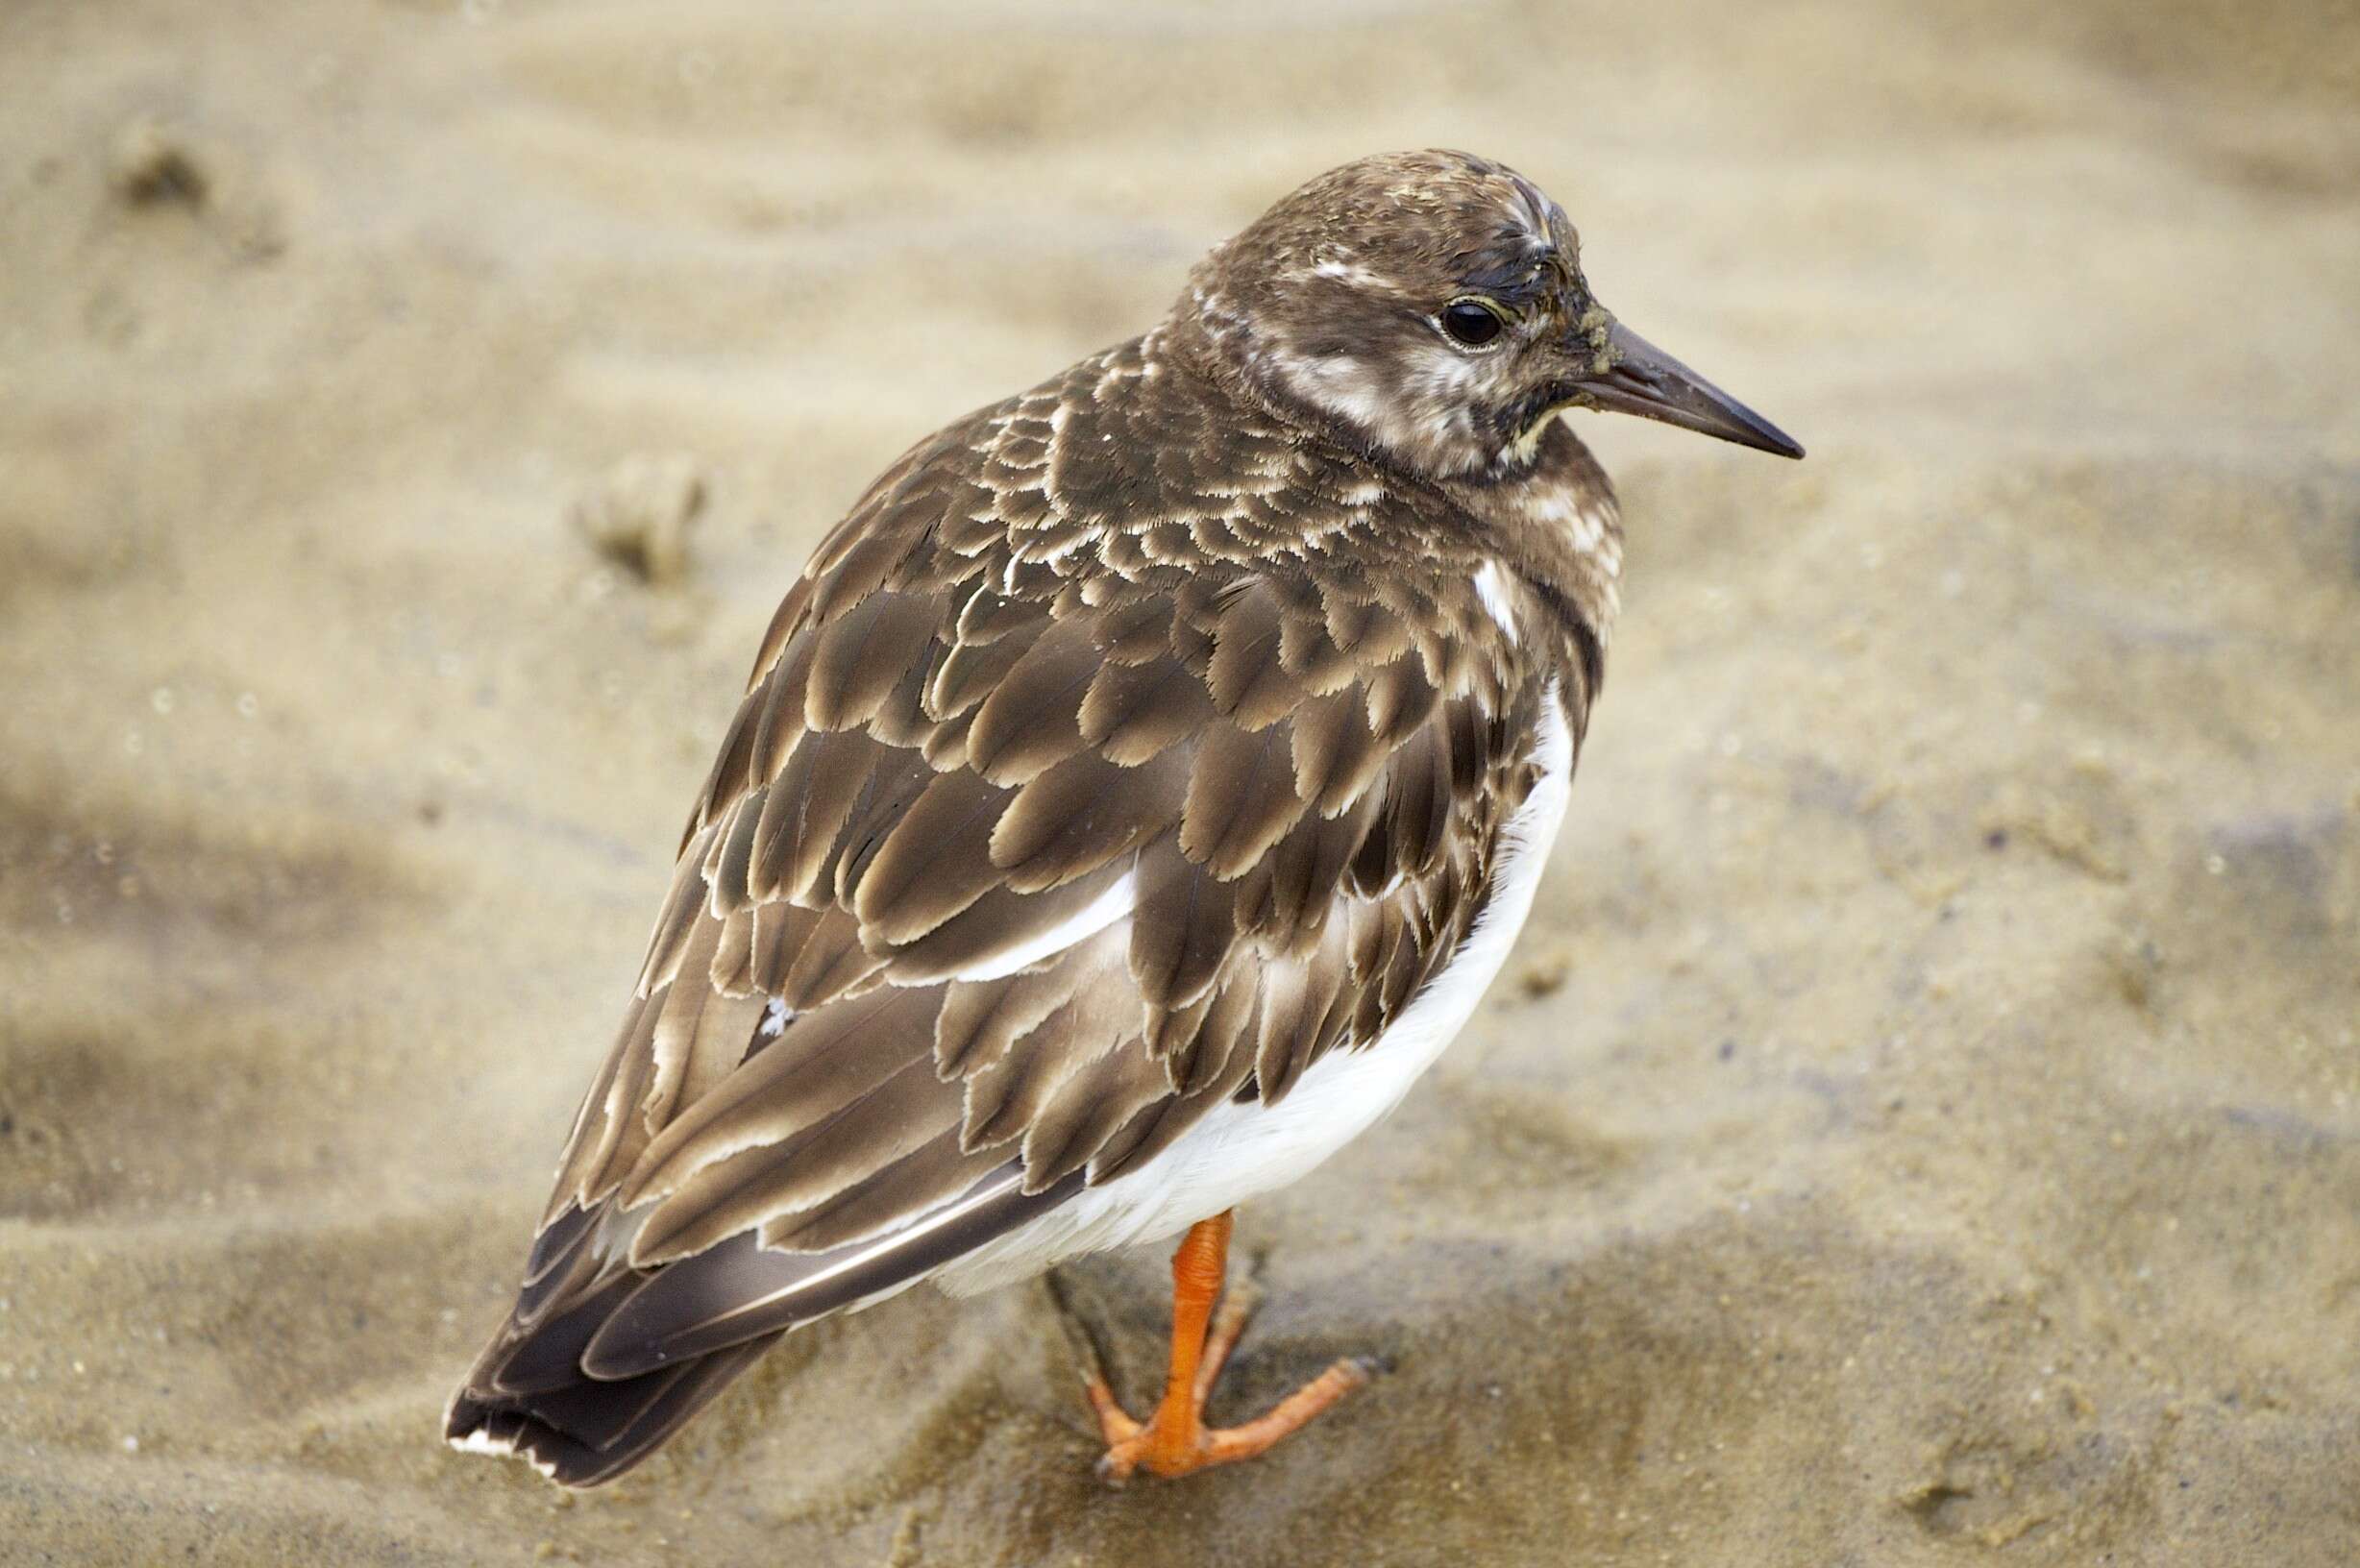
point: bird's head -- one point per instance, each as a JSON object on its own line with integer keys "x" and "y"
{"x": 1430, "y": 308}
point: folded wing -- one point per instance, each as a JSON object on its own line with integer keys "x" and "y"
{"x": 1040, "y": 830}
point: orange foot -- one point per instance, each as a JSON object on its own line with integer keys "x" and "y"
{"x": 1175, "y": 1441}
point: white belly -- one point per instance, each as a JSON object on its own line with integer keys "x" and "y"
{"x": 1238, "y": 1151}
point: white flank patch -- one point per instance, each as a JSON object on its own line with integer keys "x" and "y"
{"x": 1491, "y": 583}
{"x": 1238, "y": 1151}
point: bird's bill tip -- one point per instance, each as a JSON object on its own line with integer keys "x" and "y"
{"x": 1642, "y": 379}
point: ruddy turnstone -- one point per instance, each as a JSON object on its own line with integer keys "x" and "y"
{"x": 1131, "y": 797}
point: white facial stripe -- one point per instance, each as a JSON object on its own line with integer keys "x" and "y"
{"x": 1427, "y": 417}
{"x": 1339, "y": 384}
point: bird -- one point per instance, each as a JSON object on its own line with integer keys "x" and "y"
{"x": 1131, "y": 797}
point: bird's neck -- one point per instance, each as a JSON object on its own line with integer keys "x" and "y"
{"x": 1208, "y": 334}
{"x": 1553, "y": 520}
{"x": 1556, "y": 526}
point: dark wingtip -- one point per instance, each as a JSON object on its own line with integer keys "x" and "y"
{"x": 590, "y": 1432}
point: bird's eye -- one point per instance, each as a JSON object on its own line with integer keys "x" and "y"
{"x": 1470, "y": 322}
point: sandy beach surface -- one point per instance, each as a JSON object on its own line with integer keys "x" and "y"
{"x": 1920, "y": 1126}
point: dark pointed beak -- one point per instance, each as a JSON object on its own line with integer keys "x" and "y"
{"x": 1641, "y": 378}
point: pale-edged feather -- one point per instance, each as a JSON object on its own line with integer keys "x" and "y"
{"x": 829, "y": 1058}
{"x": 835, "y": 1155}
{"x": 1030, "y": 721}
{"x": 730, "y": 858}
{"x": 1203, "y": 1056}
{"x": 785, "y": 621}
{"x": 936, "y": 861}
{"x": 739, "y": 1290}
{"x": 980, "y": 1019}
{"x": 969, "y": 673}
{"x": 699, "y": 1033}
{"x": 616, "y": 1132}
{"x": 901, "y": 719}
{"x": 1133, "y": 712}
{"x": 732, "y": 768}
{"x": 862, "y": 654}
{"x": 1089, "y": 1107}
{"x": 1006, "y": 930}
{"x": 1418, "y": 798}
{"x": 782, "y": 931}
{"x": 1137, "y": 629}
{"x": 986, "y": 616}
{"x": 805, "y": 809}
{"x": 929, "y": 1176}
{"x": 1337, "y": 755}
{"x": 1161, "y": 1123}
{"x": 676, "y": 919}
{"x": 842, "y": 580}
{"x": 833, "y": 963}
{"x": 1006, "y": 1095}
{"x": 1400, "y": 699}
{"x": 1242, "y": 796}
{"x": 1082, "y": 814}
{"x": 1366, "y": 630}
{"x": 778, "y": 698}
{"x": 1287, "y": 897}
{"x": 1308, "y": 651}
{"x": 1296, "y": 1021}
{"x": 1250, "y": 684}
{"x": 1184, "y": 927}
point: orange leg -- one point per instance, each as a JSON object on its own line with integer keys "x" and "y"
{"x": 1175, "y": 1441}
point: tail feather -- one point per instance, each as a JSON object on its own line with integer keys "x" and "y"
{"x": 599, "y": 1362}
{"x": 590, "y": 1432}
{"x": 548, "y": 1355}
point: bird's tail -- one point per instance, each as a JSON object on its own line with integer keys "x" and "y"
{"x": 583, "y": 1433}
{"x": 588, "y": 1432}
{"x": 600, "y": 1361}
{"x": 531, "y": 1396}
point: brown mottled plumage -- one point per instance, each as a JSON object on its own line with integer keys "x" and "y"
{"x": 1133, "y": 746}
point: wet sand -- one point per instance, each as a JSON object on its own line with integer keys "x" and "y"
{"x": 1919, "y": 1125}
